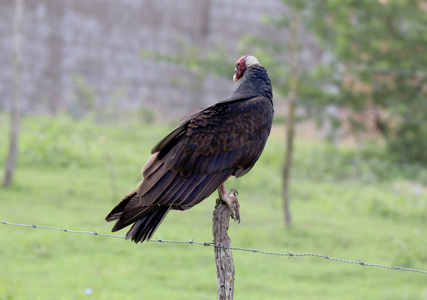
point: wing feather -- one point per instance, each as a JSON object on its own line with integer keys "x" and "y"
{"x": 173, "y": 187}
{"x": 151, "y": 195}
{"x": 205, "y": 188}
{"x": 151, "y": 165}
{"x": 170, "y": 140}
{"x": 189, "y": 165}
{"x": 185, "y": 190}
{"x": 148, "y": 182}
{"x": 174, "y": 157}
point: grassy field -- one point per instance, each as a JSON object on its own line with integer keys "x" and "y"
{"x": 355, "y": 205}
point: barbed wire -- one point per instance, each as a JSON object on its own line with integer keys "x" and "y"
{"x": 192, "y": 242}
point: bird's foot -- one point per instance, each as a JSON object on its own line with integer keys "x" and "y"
{"x": 231, "y": 201}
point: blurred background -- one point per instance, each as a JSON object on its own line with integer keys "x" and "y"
{"x": 88, "y": 87}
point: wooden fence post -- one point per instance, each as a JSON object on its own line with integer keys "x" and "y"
{"x": 223, "y": 255}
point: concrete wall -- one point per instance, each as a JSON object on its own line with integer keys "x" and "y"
{"x": 84, "y": 53}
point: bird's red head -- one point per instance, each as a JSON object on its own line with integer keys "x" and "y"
{"x": 242, "y": 64}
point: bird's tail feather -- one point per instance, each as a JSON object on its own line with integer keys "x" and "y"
{"x": 144, "y": 228}
{"x": 148, "y": 218}
{"x": 117, "y": 211}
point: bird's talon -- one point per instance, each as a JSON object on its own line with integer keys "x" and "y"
{"x": 231, "y": 201}
{"x": 237, "y": 217}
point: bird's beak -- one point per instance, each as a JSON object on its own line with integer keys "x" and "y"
{"x": 235, "y": 78}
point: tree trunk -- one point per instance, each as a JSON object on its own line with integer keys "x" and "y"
{"x": 17, "y": 93}
{"x": 290, "y": 123}
{"x": 223, "y": 256}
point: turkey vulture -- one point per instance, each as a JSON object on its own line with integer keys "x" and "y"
{"x": 188, "y": 165}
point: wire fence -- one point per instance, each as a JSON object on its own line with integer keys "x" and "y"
{"x": 192, "y": 242}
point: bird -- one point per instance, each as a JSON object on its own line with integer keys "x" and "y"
{"x": 210, "y": 145}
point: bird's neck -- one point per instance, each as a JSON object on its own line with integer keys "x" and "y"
{"x": 256, "y": 82}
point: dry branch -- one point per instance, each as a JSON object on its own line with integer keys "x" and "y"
{"x": 290, "y": 122}
{"x": 17, "y": 92}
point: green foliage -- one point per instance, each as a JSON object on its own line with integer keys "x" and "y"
{"x": 58, "y": 142}
{"x": 378, "y": 65}
{"x": 111, "y": 106}
{"x": 410, "y": 141}
{"x": 196, "y": 60}
{"x": 146, "y": 116}
{"x": 85, "y": 96}
{"x": 341, "y": 163}
{"x": 346, "y": 204}
{"x": 66, "y": 142}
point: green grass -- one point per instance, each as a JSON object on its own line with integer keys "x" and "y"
{"x": 349, "y": 204}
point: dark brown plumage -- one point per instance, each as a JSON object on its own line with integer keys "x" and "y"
{"x": 188, "y": 165}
